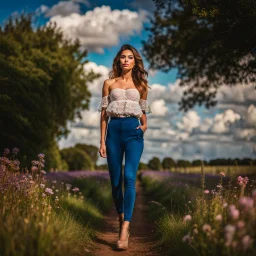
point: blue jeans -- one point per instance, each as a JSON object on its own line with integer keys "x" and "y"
{"x": 123, "y": 137}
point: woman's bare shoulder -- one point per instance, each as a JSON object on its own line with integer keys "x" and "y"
{"x": 110, "y": 81}
{"x": 106, "y": 85}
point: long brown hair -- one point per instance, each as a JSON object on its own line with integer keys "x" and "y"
{"x": 139, "y": 74}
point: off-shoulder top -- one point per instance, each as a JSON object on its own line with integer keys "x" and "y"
{"x": 124, "y": 102}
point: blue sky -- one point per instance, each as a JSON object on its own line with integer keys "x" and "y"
{"x": 7, "y": 8}
{"x": 227, "y": 130}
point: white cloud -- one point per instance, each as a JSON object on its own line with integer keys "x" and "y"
{"x": 206, "y": 124}
{"x": 158, "y": 107}
{"x": 63, "y": 8}
{"x": 101, "y": 27}
{"x": 251, "y": 116}
{"x": 189, "y": 121}
{"x": 245, "y": 134}
{"x": 41, "y": 9}
{"x": 95, "y": 87}
{"x": 236, "y": 94}
{"x": 221, "y": 122}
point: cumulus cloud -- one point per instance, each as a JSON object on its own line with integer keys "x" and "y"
{"x": 95, "y": 87}
{"x": 251, "y": 116}
{"x": 41, "y": 9}
{"x": 245, "y": 134}
{"x": 159, "y": 108}
{"x": 100, "y": 27}
{"x": 63, "y": 8}
{"x": 189, "y": 121}
{"x": 221, "y": 122}
{"x": 206, "y": 124}
{"x": 236, "y": 94}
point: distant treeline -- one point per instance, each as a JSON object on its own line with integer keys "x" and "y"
{"x": 169, "y": 163}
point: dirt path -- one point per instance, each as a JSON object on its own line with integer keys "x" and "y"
{"x": 142, "y": 238}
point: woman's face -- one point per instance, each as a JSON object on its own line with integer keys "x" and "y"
{"x": 127, "y": 60}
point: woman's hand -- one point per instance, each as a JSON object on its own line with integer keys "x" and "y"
{"x": 102, "y": 150}
{"x": 143, "y": 127}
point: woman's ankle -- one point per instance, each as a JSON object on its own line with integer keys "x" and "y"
{"x": 121, "y": 216}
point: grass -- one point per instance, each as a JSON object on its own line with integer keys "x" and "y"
{"x": 193, "y": 219}
{"x": 41, "y": 217}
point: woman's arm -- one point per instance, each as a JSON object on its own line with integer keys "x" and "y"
{"x": 143, "y": 118}
{"x": 103, "y": 117}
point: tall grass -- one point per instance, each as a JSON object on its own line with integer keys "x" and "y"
{"x": 219, "y": 221}
{"x": 40, "y": 217}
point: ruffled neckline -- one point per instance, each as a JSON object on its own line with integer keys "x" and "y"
{"x": 124, "y": 89}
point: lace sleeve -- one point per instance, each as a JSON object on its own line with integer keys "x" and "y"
{"x": 103, "y": 103}
{"x": 145, "y": 106}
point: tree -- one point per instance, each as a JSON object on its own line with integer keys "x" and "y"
{"x": 42, "y": 86}
{"x": 209, "y": 42}
{"x": 168, "y": 163}
{"x": 76, "y": 159}
{"x": 183, "y": 163}
{"x": 142, "y": 166}
{"x": 91, "y": 151}
{"x": 196, "y": 162}
{"x": 154, "y": 164}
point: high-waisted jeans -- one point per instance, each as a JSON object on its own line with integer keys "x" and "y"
{"x": 123, "y": 138}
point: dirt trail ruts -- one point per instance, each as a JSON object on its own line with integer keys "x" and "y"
{"x": 142, "y": 236}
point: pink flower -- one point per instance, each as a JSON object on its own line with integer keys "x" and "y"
{"x": 222, "y": 174}
{"x": 246, "y": 242}
{"x": 195, "y": 231}
{"x": 242, "y": 181}
{"x": 206, "y": 191}
{"x": 34, "y": 168}
{"x": 75, "y": 189}
{"x": 15, "y": 150}
{"x": 206, "y": 228}
{"x": 246, "y": 202}
{"x": 240, "y": 224}
{"x": 68, "y": 186}
{"x": 49, "y": 191}
{"x": 7, "y": 151}
{"x": 186, "y": 238}
{"x": 42, "y": 185}
{"x": 218, "y": 217}
{"x": 229, "y": 234}
{"x": 35, "y": 162}
{"x": 41, "y": 156}
{"x": 233, "y": 212}
{"x": 187, "y": 218}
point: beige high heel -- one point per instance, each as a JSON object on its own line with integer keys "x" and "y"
{"x": 123, "y": 245}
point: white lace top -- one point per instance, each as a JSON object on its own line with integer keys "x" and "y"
{"x": 124, "y": 102}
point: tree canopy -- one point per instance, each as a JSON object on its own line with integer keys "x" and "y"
{"x": 211, "y": 43}
{"x": 42, "y": 86}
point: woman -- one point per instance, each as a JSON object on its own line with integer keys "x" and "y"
{"x": 124, "y": 100}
